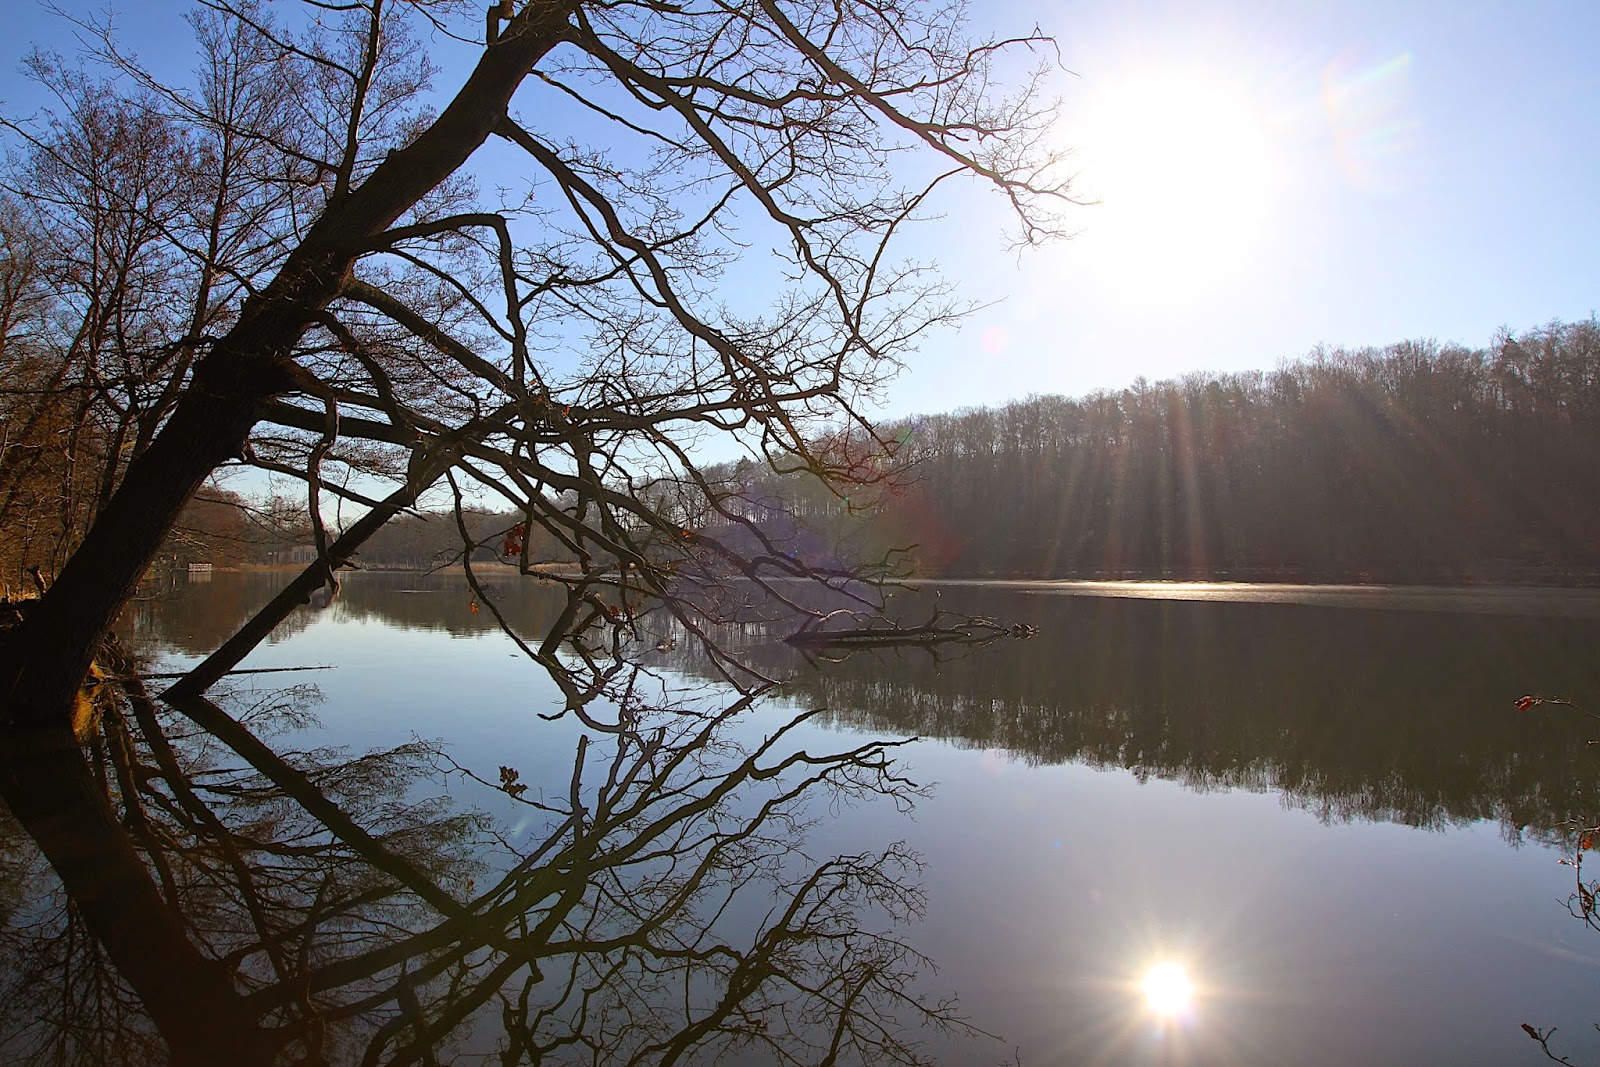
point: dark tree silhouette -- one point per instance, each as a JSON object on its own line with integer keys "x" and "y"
{"x": 321, "y": 293}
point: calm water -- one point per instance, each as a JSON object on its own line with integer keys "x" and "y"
{"x": 1321, "y": 802}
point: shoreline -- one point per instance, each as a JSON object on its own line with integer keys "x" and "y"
{"x": 1278, "y": 580}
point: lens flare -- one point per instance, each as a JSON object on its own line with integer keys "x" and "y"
{"x": 1374, "y": 120}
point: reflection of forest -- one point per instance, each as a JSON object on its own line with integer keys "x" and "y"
{"x": 1395, "y": 715}
{"x": 192, "y": 618}
{"x": 174, "y": 613}
{"x": 1391, "y": 715}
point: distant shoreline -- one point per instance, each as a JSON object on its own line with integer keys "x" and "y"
{"x": 1512, "y": 579}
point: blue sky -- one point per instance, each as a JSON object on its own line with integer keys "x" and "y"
{"x": 1415, "y": 170}
{"x": 1271, "y": 176}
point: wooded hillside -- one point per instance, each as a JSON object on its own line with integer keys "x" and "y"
{"x": 1413, "y": 462}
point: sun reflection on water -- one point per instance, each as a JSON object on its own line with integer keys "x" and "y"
{"x": 1168, "y": 991}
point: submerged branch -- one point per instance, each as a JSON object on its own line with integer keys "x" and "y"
{"x": 941, "y": 627}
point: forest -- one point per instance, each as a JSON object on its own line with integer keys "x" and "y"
{"x": 1415, "y": 462}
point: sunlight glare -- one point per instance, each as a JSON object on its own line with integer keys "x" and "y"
{"x": 1167, "y": 990}
{"x": 1185, "y": 169}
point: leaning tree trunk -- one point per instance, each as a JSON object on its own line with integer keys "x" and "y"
{"x": 43, "y": 775}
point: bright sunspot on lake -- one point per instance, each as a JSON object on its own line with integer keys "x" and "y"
{"x": 1168, "y": 990}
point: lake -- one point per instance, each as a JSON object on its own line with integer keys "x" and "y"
{"x": 1320, "y": 802}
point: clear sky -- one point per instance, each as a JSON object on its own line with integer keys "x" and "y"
{"x": 1271, "y": 176}
{"x": 1278, "y": 175}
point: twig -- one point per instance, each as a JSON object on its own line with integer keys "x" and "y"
{"x": 1543, "y": 1038}
{"x": 248, "y": 670}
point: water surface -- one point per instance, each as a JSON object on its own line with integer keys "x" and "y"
{"x": 1321, "y": 801}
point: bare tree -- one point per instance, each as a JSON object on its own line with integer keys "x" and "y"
{"x": 343, "y": 307}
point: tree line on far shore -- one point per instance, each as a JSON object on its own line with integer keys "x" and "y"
{"x": 1417, "y": 461}
{"x": 1413, "y": 462}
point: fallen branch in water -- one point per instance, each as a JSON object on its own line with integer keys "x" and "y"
{"x": 247, "y": 670}
{"x": 941, "y": 627}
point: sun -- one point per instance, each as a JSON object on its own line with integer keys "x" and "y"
{"x": 1168, "y": 992}
{"x": 1184, "y": 170}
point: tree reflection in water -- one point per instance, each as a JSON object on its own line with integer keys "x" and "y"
{"x": 656, "y": 908}
{"x": 1353, "y": 714}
